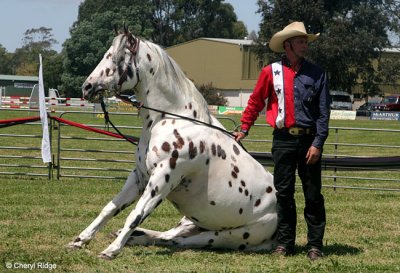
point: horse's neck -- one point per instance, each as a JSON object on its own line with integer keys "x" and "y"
{"x": 166, "y": 100}
{"x": 167, "y": 89}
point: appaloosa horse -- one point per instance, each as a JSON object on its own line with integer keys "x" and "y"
{"x": 227, "y": 197}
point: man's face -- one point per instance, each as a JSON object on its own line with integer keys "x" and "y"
{"x": 299, "y": 45}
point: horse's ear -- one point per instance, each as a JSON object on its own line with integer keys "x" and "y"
{"x": 116, "y": 30}
{"x": 126, "y": 31}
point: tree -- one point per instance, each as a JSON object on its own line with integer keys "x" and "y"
{"x": 177, "y": 21}
{"x": 388, "y": 71}
{"x": 91, "y": 38}
{"x": 39, "y": 38}
{"x": 349, "y": 39}
{"x": 25, "y": 60}
{"x": 53, "y": 70}
{"x": 253, "y": 36}
{"x": 165, "y": 22}
{"x": 5, "y": 61}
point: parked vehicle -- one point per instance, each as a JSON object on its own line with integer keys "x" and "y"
{"x": 341, "y": 100}
{"x": 366, "y": 109}
{"x": 389, "y": 103}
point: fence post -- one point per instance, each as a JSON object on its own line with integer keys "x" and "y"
{"x": 51, "y": 164}
{"x": 1, "y": 94}
{"x": 58, "y": 149}
{"x": 336, "y": 152}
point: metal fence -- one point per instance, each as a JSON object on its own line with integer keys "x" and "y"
{"x": 365, "y": 175}
{"x": 20, "y": 153}
{"x": 114, "y": 161}
{"x": 81, "y": 154}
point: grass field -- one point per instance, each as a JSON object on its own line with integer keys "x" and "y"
{"x": 39, "y": 217}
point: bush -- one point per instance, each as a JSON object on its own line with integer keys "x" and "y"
{"x": 212, "y": 95}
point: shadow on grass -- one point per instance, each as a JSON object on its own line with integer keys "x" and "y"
{"x": 340, "y": 250}
{"x": 334, "y": 249}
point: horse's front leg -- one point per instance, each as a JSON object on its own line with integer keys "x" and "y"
{"x": 125, "y": 197}
{"x": 159, "y": 186}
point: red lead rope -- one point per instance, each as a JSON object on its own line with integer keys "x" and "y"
{"x": 88, "y": 128}
{"x": 19, "y": 120}
{"x": 10, "y": 122}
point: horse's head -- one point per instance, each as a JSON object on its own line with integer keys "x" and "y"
{"x": 144, "y": 67}
{"x": 118, "y": 70}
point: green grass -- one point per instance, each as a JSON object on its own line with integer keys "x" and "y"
{"x": 39, "y": 217}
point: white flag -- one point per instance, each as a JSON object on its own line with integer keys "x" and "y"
{"x": 46, "y": 153}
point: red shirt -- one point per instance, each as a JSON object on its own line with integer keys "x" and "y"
{"x": 306, "y": 100}
{"x": 265, "y": 90}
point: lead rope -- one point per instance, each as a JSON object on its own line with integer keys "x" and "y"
{"x": 138, "y": 105}
{"x": 108, "y": 121}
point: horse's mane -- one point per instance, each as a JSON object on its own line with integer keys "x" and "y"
{"x": 183, "y": 84}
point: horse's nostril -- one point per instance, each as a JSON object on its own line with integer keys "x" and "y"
{"x": 88, "y": 87}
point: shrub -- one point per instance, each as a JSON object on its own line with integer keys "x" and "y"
{"x": 212, "y": 95}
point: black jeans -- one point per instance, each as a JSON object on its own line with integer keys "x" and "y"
{"x": 289, "y": 152}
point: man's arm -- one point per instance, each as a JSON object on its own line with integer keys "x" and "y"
{"x": 322, "y": 124}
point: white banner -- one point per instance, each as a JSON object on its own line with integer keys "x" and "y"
{"x": 46, "y": 153}
{"x": 343, "y": 114}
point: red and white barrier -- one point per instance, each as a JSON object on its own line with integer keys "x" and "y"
{"x": 14, "y": 102}
{"x": 23, "y": 102}
{"x": 77, "y": 102}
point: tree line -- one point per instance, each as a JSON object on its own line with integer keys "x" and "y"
{"x": 353, "y": 33}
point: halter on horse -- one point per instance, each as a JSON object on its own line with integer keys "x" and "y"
{"x": 227, "y": 197}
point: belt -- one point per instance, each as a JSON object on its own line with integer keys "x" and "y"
{"x": 297, "y": 131}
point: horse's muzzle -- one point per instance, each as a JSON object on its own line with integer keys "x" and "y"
{"x": 90, "y": 92}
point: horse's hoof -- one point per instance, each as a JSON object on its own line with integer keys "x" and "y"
{"x": 114, "y": 234}
{"x": 105, "y": 257}
{"x": 73, "y": 246}
{"x": 76, "y": 244}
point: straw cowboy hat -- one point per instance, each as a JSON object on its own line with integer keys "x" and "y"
{"x": 292, "y": 30}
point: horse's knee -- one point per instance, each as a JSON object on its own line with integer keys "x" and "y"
{"x": 109, "y": 210}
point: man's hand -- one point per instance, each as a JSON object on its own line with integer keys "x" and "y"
{"x": 313, "y": 155}
{"x": 239, "y": 135}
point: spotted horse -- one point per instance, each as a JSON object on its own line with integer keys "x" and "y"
{"x": 226, "y": 197}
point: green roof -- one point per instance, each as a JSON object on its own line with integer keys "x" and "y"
{"x": 18, "y": 78}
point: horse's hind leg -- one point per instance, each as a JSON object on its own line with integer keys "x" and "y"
{"x": 147, "y": 237}
{"x": 125, "y": 197}
{"x": 255, "y": 237}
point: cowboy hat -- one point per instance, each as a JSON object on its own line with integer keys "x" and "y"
{"x": 292, "y": 30}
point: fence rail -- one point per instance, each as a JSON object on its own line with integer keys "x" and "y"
{"x": 76, "y": 154}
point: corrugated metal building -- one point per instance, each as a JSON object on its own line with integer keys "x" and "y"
{"x": 228, "y": 64}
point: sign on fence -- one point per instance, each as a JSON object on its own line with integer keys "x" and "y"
{"x": 226, "y": 110}
{"x": 385, "y": 115}
{"x": 343, "y": 114}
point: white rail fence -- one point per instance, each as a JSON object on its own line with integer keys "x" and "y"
{"x": 76, "y": 154}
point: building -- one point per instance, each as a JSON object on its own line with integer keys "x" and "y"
{"x": 228, "y": 64}
{"x": 231, "y": 66}
{"x": 12, "y": 85}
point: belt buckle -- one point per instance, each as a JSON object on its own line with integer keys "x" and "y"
{"x": 295, "y": 131}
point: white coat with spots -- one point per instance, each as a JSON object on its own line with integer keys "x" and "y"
{"x": 226, "y": 197}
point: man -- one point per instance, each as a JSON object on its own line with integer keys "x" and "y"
{"x": 298, "y": 108}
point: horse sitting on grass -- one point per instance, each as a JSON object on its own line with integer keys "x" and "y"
{"x": 226, "y": 197}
